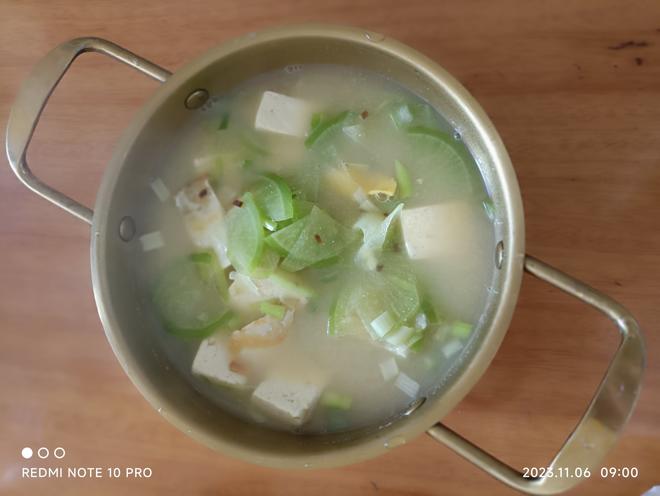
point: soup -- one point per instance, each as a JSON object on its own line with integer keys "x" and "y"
{"x": 318, "y": 251}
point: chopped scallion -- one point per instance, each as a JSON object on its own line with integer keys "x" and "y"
{"x": 272, "y": 309}
{"x": 404, "y": 183}
{"x": 331, "y": 399}
{"x": 323, "y": 127}
{"x": 382, "y": 324}
{"x": 461, "y": 329}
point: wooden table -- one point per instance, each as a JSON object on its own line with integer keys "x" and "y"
{"x": 578, "y": 106}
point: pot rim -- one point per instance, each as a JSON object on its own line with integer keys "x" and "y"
{"x": 512, "y": 266}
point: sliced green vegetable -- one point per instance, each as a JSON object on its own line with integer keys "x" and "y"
{"x": 272, "y": 309}
{"x": 329, "y": 272}
{"x": 301, "y": 208}
{"x": 423, "y": 114}
{"x": 306, "y": 183}
{"x": 189, "y": 297}
{"x": 324, "y": 127}
{"x": 442, "y": 138}
{"x": 416, "y": 341}
{"x": 274, "y": 198}
{"x": 430, "y": 132}
{"x": 202, "y": 257}
{"x": 328, "y": 262}
{"x": 266, "y": 263}
{"x": 399, "y": 286}
{"x": 461, "y": 330}
{"x": 404, "y": 114}
{"x": 445, "y": 164}
{"x": 375, "y": 232}
{"x": 283, "y": 240}
{"x": 317, "y": 117}
{"x": 343, "y": 318}
{"x": 245, "y": 235}
{"x": 333, "y": 313}
{"x": 290, "y": 284}
{"x": 404, "y": 184}
{"x": 375, "y": 303}
{"x": 210, "y": 270}
{"x": 320, "y": 239}
{"x": 331, "y": 399}
{"x": 426, "y": 306}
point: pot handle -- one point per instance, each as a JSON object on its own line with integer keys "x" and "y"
{"x": 601, "y": 424}
{"x": 32, "y": 99}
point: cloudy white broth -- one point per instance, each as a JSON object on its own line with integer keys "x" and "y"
{"x": 318, "y": 249}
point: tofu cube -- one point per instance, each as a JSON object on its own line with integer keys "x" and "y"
{"x": 283, "y": 114}
{"x": 447, "y": 230}
{"x": 289, "y": 402}
{"x": 213, "y": 362}
{"x": 204, "y": 218}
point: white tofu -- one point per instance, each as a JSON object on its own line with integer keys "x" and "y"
{"x": 289, "y": 402}
{"x": 204, "y": 218}
{"x": 212, "y": 361}
{"x": 283, "y": 114}
{"x": 446, "y": 230}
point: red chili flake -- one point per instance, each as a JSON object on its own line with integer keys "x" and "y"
{"x": 238, "y": 203}
{"x": 364, "y": 114}
{"x": 318, "y": 239}
{"x": 379, "y": 267}
{"x": 203, "y": 193}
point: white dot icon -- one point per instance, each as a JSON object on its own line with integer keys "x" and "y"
{"x": 26, "y": 453}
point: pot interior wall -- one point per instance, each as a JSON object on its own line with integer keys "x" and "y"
{"x": 125, "y": 309}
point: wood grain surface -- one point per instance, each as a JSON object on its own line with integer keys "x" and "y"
{"x": 578, "y": 108}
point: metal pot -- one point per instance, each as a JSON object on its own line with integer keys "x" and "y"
{"x": 117, "y": 217}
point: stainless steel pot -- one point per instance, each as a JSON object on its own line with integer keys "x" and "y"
{"x": 118, "y": 209}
